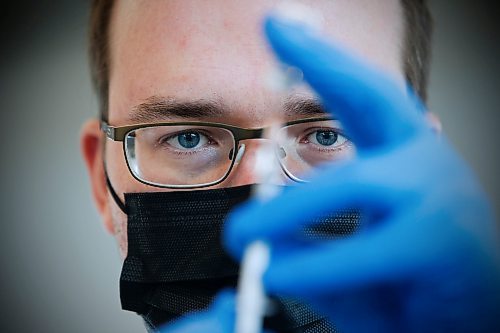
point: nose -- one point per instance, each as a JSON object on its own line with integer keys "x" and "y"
{"x": 245, "y": 169}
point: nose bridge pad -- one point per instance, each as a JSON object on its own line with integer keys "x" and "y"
{"x": 241, "y": 151}
{"x": 281, "y": 153}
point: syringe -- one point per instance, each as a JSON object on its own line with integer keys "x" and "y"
{"x": 251, "y": 300}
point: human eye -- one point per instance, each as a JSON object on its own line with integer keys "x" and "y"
{"x": 187, "y": 141}
{"x": 324, "y": 139}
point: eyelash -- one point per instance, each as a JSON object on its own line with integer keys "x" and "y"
{"x": 337, "y": 131}
{"x": 163, "y": 142}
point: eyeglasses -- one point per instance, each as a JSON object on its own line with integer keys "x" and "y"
{"x": 196, "y": 154}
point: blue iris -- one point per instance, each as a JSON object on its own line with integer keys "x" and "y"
{"x": 326, "y": 138}
{"x": 188, "y": 140}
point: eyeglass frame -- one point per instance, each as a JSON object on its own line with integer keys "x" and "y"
{"x": 119, "y": 133}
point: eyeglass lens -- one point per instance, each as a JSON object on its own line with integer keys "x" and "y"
{"x": 199, "y": 155}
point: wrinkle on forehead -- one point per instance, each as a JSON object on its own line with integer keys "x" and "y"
{"x": 201, "y": 48}
{"x": 184, "y": 26}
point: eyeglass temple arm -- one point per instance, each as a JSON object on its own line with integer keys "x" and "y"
{"x": 110, "y": 131}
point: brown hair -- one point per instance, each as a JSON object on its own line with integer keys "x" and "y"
{"x": 416, "y": 51}
{"x": 100, "y": 17}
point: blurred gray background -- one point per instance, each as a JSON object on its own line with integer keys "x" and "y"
{"x": 59, "y": 268}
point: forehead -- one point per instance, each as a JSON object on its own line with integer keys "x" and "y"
{"x": 191, "y": 49}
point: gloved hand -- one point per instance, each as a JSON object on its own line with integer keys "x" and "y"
{"x": 427, "y": 256}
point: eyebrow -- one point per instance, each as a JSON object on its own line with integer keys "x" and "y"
{"x": 157, "y": 108}
{"x": 297, "y": 105}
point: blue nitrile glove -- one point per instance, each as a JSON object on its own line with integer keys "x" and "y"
{"x": 218, "y": 319}
{"x": 427, "y": 256}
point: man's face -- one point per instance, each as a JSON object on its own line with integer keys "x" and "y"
{"x": 187, "y": 50}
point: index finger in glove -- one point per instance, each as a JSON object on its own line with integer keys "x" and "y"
{"x": 355, "y": 185}
{"x": 373, "y": 109}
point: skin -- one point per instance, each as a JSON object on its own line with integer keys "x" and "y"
{"x": 213, "y": 50}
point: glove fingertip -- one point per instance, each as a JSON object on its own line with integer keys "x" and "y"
{"x": 283, "y": 37}
{"x": 235, "y": 234}
{"x": 225, "y": 299}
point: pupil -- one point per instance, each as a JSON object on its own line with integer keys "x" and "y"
{"x": 189, "y": 140}
{"x": 326, "y": 138}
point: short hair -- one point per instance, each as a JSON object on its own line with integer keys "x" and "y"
{"x": 416, "y": 48}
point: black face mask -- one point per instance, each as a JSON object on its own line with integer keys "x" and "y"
{"x": 176, "y": 264}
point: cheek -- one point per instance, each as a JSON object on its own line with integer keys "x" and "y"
{"x": 122, "y": 182}
{"x": 120, "y": 228}
{"x": 119, "y": 175}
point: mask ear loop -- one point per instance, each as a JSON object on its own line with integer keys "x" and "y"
{"x": 115, "y": 196}
{"x": 110, "y": 187}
